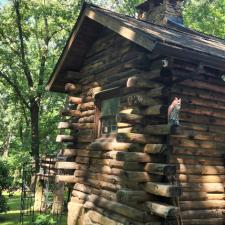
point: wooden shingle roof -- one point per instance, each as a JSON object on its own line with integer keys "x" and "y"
{"x": 180, "y": 42}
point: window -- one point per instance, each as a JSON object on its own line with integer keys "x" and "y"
{"x": 107, "y": 116}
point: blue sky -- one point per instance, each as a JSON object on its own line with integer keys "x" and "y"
{"x": 2, "y": 2}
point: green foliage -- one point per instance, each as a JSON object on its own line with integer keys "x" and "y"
{"x": 3, "y": 204}
{"x": 44, "y": 220}
{"x": 4, "y": 183}
{"x": 206, "y": 16}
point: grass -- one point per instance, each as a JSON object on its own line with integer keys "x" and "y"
{"x": 12, "y": 216}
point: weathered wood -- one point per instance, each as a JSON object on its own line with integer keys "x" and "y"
{"x": 65, "y": 138}
{"x": 136, "y": 157}
{"x": 100, "y": 219}
{"x": 162, "y": 129}
{"x": 135, "y": 176}
{"x": 113, "y": 146}
{"x": 140, "y": 99}
{"x": 209, "y": 204}
{"x": 129, "y": 118}
{"x": 72, "y": 88}
{"x": 202, "y": 214}
{"x": 203, "y": 187}
{"x": 127, "y": 195}
{"x": 201, "y": 178}
{"x": 138, "y": 138}
{"x": 209, "y": 221}
{"x": 67, "y": 112}
{"x": 87, "y": 106}
{"x": 156, "y": 110}
{"x": 162, "y": 189}
{"x": 199, "y": 169}
{"x": 65, "y": 165}
{"x": 162, "y": 210}
{"x": 74, "y": 100}
{"x": 89, "y": 119}
{"x": 65, "y": 178}
{"x": 139, "y": 82}
{"x": 160, "y": 169}
{"x": 155, "y": 148}
{"x": 114, "y": 206}
{"x": 69, "y": 125}
{"x": 200, "y": 196}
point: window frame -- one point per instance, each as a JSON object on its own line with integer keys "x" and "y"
{"x": 99, "y": 98}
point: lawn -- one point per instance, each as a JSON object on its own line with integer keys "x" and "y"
{"x": 12, "y": 217}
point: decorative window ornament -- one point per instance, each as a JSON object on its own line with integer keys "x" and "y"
{"x": 174, "y": 111}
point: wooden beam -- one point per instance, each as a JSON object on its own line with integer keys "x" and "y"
{"x": 160, "y": 169}
{"x": 162, "y": 189}
{"x": 162, "y": 210}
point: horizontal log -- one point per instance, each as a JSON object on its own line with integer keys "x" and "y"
{"x": 69, "y": 125}
{"x": 135, "y": 176}
{"x": 87, "y": 113}
{"x": 108, "y": 162}
{"x": 65, "y": 138}
{"x": 133, "y": 166}
{"x": 209, "y": 204}
{"x": 201, "y": 179}
{"x": 74, "y": 100}
{"x": 139, "y": 82}
{"x": 130, "y": 118}
{"x": 140, "y": 99}
{"x": 202, "y": 214}
{"x": 67, "y": 112}
{"x": 203, "y": 187}
{"x": 88, "y": 119}
{"x": 162, "y": 129}
{"x": 156, "y": 110}
{"x": 68, "y": 152}
{"x": 65, "y": 178}
{"x": 66, "y": 165}
{"x": 72, "y": 88}
{"x": 200, "y": 196}
{"x": 90, "y": 190}
{"x": 115, "y": 207}
{"x": 158, "y": 92}
{"x": 199, "y": 169}
{"x": 162, "y": 210}
{"x": 138, "y": 138}
{"x": 87, "y": 106}
{"x": 132, "y": 196}
{"x": 136, "y": 157}
{"x": 83, "y": 160}
{"x": 197, "y": 160}
{"x": 113, "y": 146}
{"x": 160, "y": 169}
{"x": 155, "y": 148}
{"x": 195, "y": 143}
{"x": 196, "y": 151}
{"x": 162, "y": 189}
{"x": 209, "y": 221}
{"x": 101, "y": 219}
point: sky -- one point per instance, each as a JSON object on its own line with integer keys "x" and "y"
{"x": 2, "y": 2}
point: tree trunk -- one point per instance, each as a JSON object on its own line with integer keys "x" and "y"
{"x": 34, "y": 110}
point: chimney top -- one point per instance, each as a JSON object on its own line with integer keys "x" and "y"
{"x": 160, "y": 11}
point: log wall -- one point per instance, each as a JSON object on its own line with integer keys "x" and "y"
{"x": 137, "y": 175}
{"x": 198, "y": 145}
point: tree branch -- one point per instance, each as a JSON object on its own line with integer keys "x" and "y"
{"x": 22, "y": 45}
{"x": 16, "y": 89}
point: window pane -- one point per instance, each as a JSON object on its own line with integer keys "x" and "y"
{"x": 110, "y": 107}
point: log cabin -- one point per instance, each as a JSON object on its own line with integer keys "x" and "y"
{"x": 127, "y": 164}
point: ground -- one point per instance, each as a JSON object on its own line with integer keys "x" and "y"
{"x": 12, "y": 217}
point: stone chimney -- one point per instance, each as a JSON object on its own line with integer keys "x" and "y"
{"x": 161, "y": 11}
